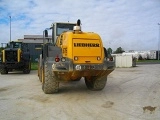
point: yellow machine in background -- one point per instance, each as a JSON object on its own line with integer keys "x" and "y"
{"x": 15, "y": 57}
{"x": 71, "y": 55}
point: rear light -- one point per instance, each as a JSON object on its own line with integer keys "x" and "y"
{"x": 110, "y": 59}
{"x": 98, "y": 58}
{"x": 75, "y": 58}
{"x": 63, "y": 59}
{"x": 57, "y": 59}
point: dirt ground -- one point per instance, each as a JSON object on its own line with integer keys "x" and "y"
{"x": 130, "y": 94}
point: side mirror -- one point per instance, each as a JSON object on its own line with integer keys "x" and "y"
{"x": 105, "y": 52}
{"x": 46, "y": 33}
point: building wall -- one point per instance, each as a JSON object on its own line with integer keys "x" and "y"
{"x": 34, "y": 52}
{"x": 33, "y": 42}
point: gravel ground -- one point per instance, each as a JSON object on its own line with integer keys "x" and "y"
{"x": 130, "y": 94}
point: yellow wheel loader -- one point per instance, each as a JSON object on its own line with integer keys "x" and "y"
{"x": 15, "y": 56}
{"x": 71, "y": 55}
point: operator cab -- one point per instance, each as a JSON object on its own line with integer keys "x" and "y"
{"x": 59, "y": 28}
{"x": 14, "y": 44}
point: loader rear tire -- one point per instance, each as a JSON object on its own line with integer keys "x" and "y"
{"x": 96, "y": 83}
{"x": 4, "y": 71}
{"x": 27, "y": 68}
{"x": 40, "y": 74}
{"x": 40, "y": 68}
{"x": 49, "y": 85}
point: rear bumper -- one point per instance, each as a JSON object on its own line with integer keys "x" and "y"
{"x": 66, "y": 71}
{"x": 68, "y": 66}
{"x": 15, "y": 65}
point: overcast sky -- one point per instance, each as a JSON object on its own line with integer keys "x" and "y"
{"x": 130, "y": 24}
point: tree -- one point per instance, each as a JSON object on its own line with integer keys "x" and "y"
{"x": 109, "y": 50}
{"x": 119, "y": 50}
{"x": 1, "y": 48}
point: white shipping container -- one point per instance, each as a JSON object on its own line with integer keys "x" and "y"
{"x": 124, "y": 60}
